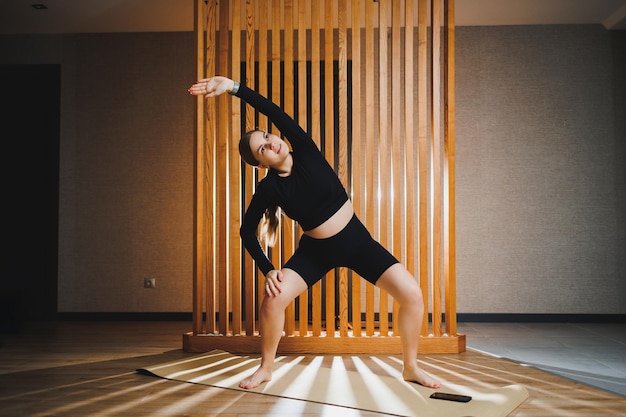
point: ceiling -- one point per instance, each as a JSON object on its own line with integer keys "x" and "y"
{"x": 87, "y": 16}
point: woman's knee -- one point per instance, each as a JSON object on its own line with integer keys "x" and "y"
{"x": 411, "y": 294}
{"x": 402, "y": 286}
{"x": 273, "y": 304}
{"x": 418, "y": 298}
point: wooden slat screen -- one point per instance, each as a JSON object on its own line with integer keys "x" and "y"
{"x": 365, "y": 80}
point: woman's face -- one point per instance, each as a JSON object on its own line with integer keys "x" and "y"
{"x": 270, "y": 150}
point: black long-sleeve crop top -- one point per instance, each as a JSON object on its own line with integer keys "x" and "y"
{"x": 310, "y": 195}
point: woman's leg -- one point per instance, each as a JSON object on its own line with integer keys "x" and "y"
{"x": 401, "y": 285}
{"x": 272, "y": 322}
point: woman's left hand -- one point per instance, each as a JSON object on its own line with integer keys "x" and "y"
{"x": 272, "y": 283}
{"x": 212, "y": 87}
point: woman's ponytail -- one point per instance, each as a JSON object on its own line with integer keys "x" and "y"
{"x": 269, "y": 226}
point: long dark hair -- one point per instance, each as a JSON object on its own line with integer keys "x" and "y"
{"x": 271, "y": 220}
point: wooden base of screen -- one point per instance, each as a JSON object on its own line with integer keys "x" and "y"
{"x": 325, "y": 345}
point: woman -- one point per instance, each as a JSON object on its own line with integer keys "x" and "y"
{"x": 307, "y": 189}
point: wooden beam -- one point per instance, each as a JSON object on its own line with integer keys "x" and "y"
{"x": 422, "y": 128}
{"x": 398, "y": 144}
{"x": 249, "y": 172}
{"x": 371, "y": 182}
{"x": 234, "y": 177}
{"x": 209, "y": 180}
{"x": 222, "y": 200}
{"x": 303, "y": 100}
{"x": 384, "y": 141}
{"x": 327, "y": 345}
{"x": 435, "y": 164}
{"x": 316, "y": 82}
{"x": 358, "y": 186}
{"x": 329, "y": 139}
{"x": 343, "y": 147}
{"x": 449, "y": 170}
{"x": 201, "y": 242}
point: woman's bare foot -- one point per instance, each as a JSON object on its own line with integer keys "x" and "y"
{"x": 257, "y": 378}
{"x": 420, "y": 377}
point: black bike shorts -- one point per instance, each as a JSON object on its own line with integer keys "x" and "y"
{"x": 353, "y": 248}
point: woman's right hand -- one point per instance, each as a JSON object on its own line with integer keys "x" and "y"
{"x": 272, "y": 283}
{"x": 212, "y": 87}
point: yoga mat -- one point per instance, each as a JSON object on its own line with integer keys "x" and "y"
{"x": 336, "y": 385}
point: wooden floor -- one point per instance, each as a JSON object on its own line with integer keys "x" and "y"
{"x": 88, "y": 369}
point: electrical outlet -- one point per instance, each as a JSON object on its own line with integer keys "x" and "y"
{"x": 149, "y": 282}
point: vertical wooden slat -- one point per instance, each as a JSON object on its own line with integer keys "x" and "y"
{"x": 275, "y": 96}
{"x": 316, "y": 43}
{"x": 263, "y": 88}
{"x": 329, "y": 136}
{"x": 449, "y": 170}
{"x": 384, "y": 170}
{"x": 435, "y": 144}
{"x": 209, "y": 173}
{"x": 288, "y": 84}
{"x": 410, "y": 135}
{"x": 343, "y": 148}
{"x": 422, "y": 127}
{"x": 201, "y": 243}
{"x": 397, "y": 141}
{"x": 249, "y": 267}
{"x": 358, "y": 186}
{"x": 223, "y": 208}
{"x": 370, "y": 152}
{"x": 234, "y": 178}
{"x": 302, "y": 120}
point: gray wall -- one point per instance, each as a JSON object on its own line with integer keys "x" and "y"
{"x": 126, "y": 187}
{"x": 540, "y": 171}
{"x": 540, "y": 178}
{"x": 126, "y": 167}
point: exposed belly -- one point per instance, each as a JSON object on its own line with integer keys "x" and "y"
{"x": 335, "y": 224}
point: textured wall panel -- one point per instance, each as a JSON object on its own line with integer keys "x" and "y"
{"x": 537, "y": 213}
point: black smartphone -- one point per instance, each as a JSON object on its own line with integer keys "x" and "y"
{"x": 451, "y": 397}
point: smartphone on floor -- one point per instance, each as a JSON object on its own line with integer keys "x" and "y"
{"x": 451, "y": 397}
